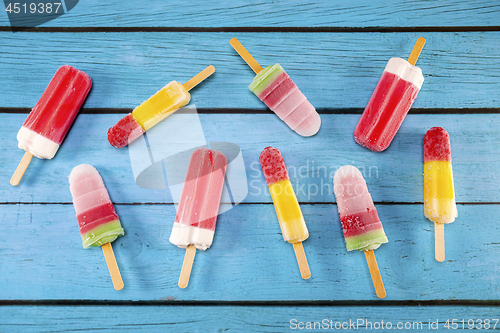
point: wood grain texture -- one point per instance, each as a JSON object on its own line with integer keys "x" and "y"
{"x": 395, "y": 175}
{"x": 334, "y": 70}
{"x": 42, "y": 257}
{"x": 152, "y": 319}
{"x": 268, "y": 13}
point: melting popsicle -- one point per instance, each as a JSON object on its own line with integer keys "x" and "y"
{"x": 194, "y": 225}
{"x": 292, "y": 224}
{"x": 165, "y": 102}
{"x": 390, "y": 102}
{"x": 439, "y": 194}
{"x": 49, "y": 121}
{"x": 275, "y": 88}
{"x": 361, "y": 225}
{"x": 99, "y": 225}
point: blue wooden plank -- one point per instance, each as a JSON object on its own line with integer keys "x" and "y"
{"x": 392, "y": 176}
{"x": 256, "y": 319}
{"x": 292, "y": 13}
{"x": 334, "y": 70}
{"x": 42, "y": 257}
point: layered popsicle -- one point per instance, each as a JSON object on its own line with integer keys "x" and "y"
{"x": 166, "y": 101}
{"x": 361, "y": 225}
{"x": 390, "y": 102}
{"x": 360, "y": 222}
{"x": 99, "y": 225}
{"x": 439, "y": 193}
{"x": 292, "y": 224}
{"x": 50, "y": 120}
{"x": 194, "y": 225}
{"x": 275, "y": 88}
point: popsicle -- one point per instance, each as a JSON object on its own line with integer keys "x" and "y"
{"x": 194, "y": 225}
{"x": 165, "y": 102}
{"x": 361, "y": 225}
{"x": 99, "y": 225}
{"x": 275, "y": 88}
{"x": 439, "y": 193}
{"x": 390, "y": 102}
{"x": 292, "y": 224}
{"x": 49, "y": 121}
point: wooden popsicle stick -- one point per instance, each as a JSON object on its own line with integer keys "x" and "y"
{"x": 302, "y": 260}
{"x": 21, "y": 169}
{"x": 187, "y": 265}
{"x": 195, "y": 80}
{"x": 112, "y": 266}
{"x": 235, "y": 43}
{"x": 415, "y": 53}
{"x": 375, "y": 273}
{"x": 439, "y": 241}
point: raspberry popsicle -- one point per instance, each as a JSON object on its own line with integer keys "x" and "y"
{"x": 439, "y": 194}
{"x": 392, "y": 99}
{"x": 49, "y": 121}
{"x": 361, "y": 225}
{"x": 99, "y": 225}
{"x": 194, "y": 224}
{"x": 275, "y": 88}
{"x": 158, "y": 107}
{"x": 292, "y": 224}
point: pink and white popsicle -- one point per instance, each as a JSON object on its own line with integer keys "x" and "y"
{"x": 194, "y": 225}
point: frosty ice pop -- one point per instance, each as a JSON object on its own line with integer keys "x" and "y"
{"x": 361, "y": 225}
{"x": 158, "y": 107}
{"x": 198, "y": 208}
{"x": 275, "y": 88}
{"x": 439, "y": 194}
{"x": 49, "y": 121}
{"x": 99, "y": 225}
{"x": 390, "y": 102}
{"x": 292, "y": 224}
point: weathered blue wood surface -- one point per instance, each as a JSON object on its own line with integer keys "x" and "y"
{"x": 334, "y": 70}
{"x": 393, "y": 176}
{"x": 42, "y": 257}
{"x": 268, "y": 13}
{"x": 234, "y": 319}
{"x": 249, "y": 280}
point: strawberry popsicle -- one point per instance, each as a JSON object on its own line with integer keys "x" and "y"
{"x": 439, "y": 193}
{"x": 165, "y": 102}
{"x": 390, "y": 102}
{"x": 292, "y": 224}
{"x": 99, "y": 225}
{"x": 361, "y": 225}
{"x": 275, "y": 88}
{"x": 198, "y": 208}
{"x": 49, "y": 121}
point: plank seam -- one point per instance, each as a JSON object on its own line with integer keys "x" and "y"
{"x": 256, "y": 29}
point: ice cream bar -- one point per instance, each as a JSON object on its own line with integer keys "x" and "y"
{"x": 95, "y": 213}
{"x": 439, "y": 194}
{"x": 361, "y": 225}
{"x": 199, "y": 204}
{"x": 96, "y": 216}
{"x": 292, "y": 224}
{"x": 158, "y": 107}
{"x": 49, "y": 121}
{"x": 390, "y": 102}
{"x": 392, "y": 99}
{"x": 360, "y": 222}
{"x": 276, "y": 89}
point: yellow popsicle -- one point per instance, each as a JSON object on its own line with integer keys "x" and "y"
{"x": 292, "y": 224}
